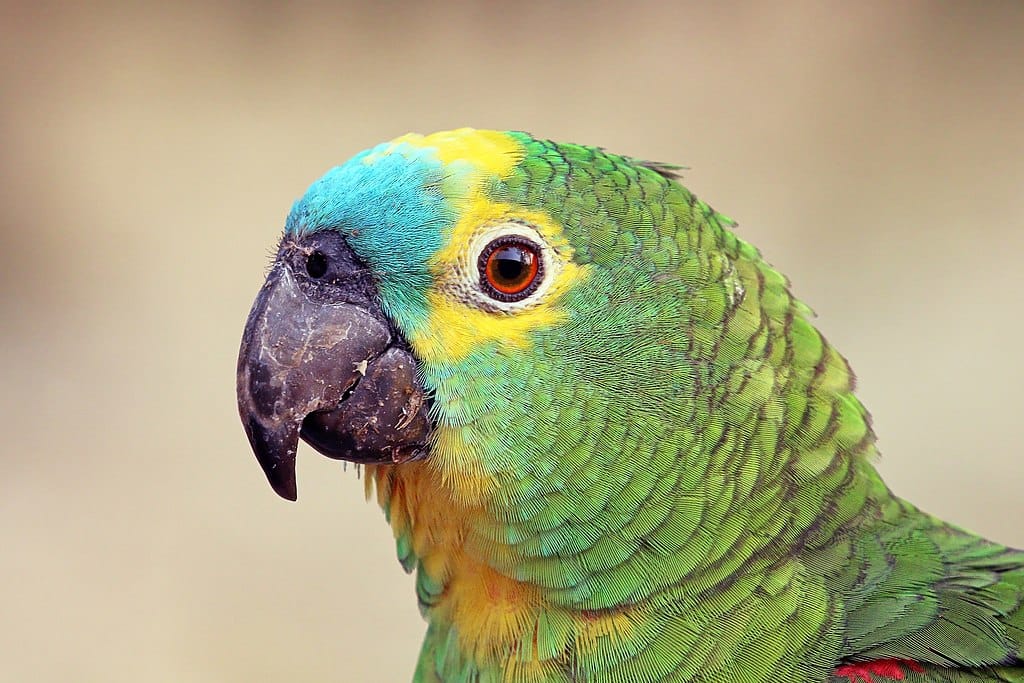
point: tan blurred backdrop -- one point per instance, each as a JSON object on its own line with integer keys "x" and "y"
{"x": 874, "y": 151}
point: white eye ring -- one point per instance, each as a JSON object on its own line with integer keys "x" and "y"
{"x": 510, "y": 268}
{"x": 471, "y": 283}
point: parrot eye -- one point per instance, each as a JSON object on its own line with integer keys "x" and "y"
{"x": 510, "y": 268}
{"x": 316, "y": 265}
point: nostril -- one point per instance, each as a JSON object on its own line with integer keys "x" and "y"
{"x": 316, "y": 265}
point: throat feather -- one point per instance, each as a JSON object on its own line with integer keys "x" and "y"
{"x": 436, "y": 519}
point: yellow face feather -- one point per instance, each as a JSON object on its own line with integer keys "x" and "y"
{"x": 455, "y": 327}
{"x": 492, "y": 152}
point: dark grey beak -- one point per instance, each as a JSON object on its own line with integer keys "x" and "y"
{"x": 319, "y": 360}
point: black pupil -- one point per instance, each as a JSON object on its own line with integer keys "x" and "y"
{"x": 316, "y": 264}
{"x": 510, "y": 263}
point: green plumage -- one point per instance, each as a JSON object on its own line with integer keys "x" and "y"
{"x": 683, "y": 449}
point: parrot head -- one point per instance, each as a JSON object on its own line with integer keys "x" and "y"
{"x": 557, "y": 362}
{"x": 440, "y": 282}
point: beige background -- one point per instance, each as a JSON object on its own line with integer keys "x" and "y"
{"x": 875, "y": 152}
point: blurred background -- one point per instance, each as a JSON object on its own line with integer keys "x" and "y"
{"x": 150, "y": 153}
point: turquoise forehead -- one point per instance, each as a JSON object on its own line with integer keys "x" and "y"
{"x": 390, "y": 203}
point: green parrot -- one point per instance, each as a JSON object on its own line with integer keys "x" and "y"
{"x": 607, "y": 438}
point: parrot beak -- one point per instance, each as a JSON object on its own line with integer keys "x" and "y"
{"x": 322, "y": 362}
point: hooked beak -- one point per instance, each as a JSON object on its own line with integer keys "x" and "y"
{"x": 319, "y": 360}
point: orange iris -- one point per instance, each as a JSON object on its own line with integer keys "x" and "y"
{"x": 511, "y": 268}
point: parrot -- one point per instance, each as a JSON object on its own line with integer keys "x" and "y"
{"x": 608, "y": 439}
